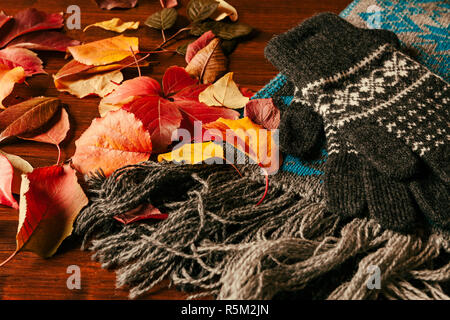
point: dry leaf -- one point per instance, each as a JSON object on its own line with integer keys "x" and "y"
{"x": 163, "y": 19}
{"x": 193, "y": 153}
{"x": 263, "y": 112}
{"x": 50, "y": 200}
{"x": 198, "y": 10}
{"x": 112, "y": 142}
{"x": 20, "y": 166}
{"x": 29, "y": 20}
{"x": 19, "y": 57}
{"x": 6, "y": 180}
{"x": 111, "y": 4}
{"x": 85, "y": 84}
{"x": 44, "y": 40}
{"x": 198, "y": 44}
{"x": 27, "y": 117}
{"x": 56, "y": 134}
{"x": 168, "y": 3}
{"x": 224, "y": 10}
{"x": 106, "y": 51}
{"x": 8, "y": 78}
{"x": 4, "y": 18}
{"x": 224, "y": 92}
{"x": 116, "y": 25}
{"x": 209, "y": 63}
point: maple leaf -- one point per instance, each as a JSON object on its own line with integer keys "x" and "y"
{"x": 29, "y": 20}
{"x": 112, "y": 142}
{"x": 164, "y": 110}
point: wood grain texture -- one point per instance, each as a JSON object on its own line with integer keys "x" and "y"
{"x": 30, "y": 277}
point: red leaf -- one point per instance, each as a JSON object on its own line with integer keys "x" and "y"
{"x": 19, "y": 57}
{"x": 142, "y": 212}
{"x": 51, "y": 198}
{"x": 4, "y": 18}
{"x": 190, "y": 93}
{"x": 175, "y": 79}
{"x": 247, "y": 92}
{"x": 137, "y": 87}
{"x": 160, "y": 117}
{"x": 168, "y": 3}
{"x": 111, "y": 4}
{"x": 6, "y": 179}
{"x": 29, "y": 20}
{"x": 198, "y": 44}
{"x": 263, "y": 112}
{"x": 44, "y": 40}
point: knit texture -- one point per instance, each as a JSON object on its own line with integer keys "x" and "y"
{"x": 380, "y": 108}
{"x": 421, "y": 25}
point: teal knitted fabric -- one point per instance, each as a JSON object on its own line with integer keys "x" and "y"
{"x": 420, "y": 24}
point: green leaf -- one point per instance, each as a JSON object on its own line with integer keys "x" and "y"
{"x": 198, "y": 10}
{"x": 182, "y": 49}
{"x": 228, "y": 46}
{"x": 163, "y": 19}
{"x": 229, "y": 31}
{"x": 200, "y": 28}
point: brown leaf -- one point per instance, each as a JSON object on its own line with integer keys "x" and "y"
{"x": 209, "y": 63}
{"x": 111, "y": 4}
{"x": 8, "y": 78}
{"x": 198, "y": 45}
{"x": 27, "y": 117}
{"x": 112, "y": 142}
{"x": 263, "y": 112}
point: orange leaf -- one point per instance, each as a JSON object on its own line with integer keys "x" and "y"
{"x": 112, "y": 142}
{"x": 9, "y": 77}
{"x": 193, "y": 153}
{"x": 105, "y": 51}
{"x": 50, "y": 200}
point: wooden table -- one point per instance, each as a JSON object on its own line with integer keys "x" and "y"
{"x": 28, "y": 276}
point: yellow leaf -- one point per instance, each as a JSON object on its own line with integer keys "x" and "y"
{"x": 9, "y": 77}
{"x": 224, "y": 10}
{"x": 105, "y": 51}
{"x": 193, "y": 153}
{"x": 254, "y": 140}
{"x": 224, "y": 92}
{"x": 115, "y": 24}
{"x": 208, "y": 63}
{"x": 82, "y": 85}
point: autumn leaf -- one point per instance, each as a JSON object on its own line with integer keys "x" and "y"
{"x": 209, "y": 63}
{"x": 224, "y": 10}
{"x": 85, "y": 84}
{"x": 168, "y": 3}
{"x": 56, "y": 134}
{"x": 8, "y": 78}
{"x": 20, "y": 166}
{"x": 162, "y": 20}
{"x": 193, "y": 153}
{"x": 44, "y": 40}
{"x": 29, "y": 20}
{"x": 263, "y": 112}
{"x": 198, "y": 44}
{"x": 198, "y": 10}
{"x": 222, "y": 29}
{"x": 19, "y": 57}
{"x": 115, "y": 24}
{"x": 106, "y": 51}
{"x": 224, "y": 92}
{"x": 11, "y": 168}
{"x": 4, "y": 18}
{"x": 145, "y": 211}
{"x": 27, "y": 117}
{"x": 111, "y": 4}
{"x": 164, "y": 110}
{"x": 50, "y": 200}
{"x": 111, "y": 142}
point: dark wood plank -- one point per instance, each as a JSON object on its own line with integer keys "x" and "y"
{"x": 30, "y": 277}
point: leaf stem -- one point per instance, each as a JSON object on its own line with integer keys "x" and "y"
{"x": 8, "y": 259}
{"x": 59, "y": 154}
{"x": 163, "y": 35}
{"x": 137, "y": 63}
{"x": 172, "y": 37}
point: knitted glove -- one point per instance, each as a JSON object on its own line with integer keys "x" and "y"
{"x": 381, "y": 109}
